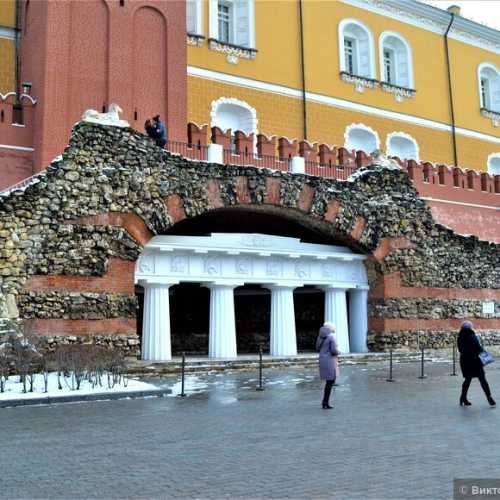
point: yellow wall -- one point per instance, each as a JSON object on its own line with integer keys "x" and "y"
{"x": 282, "y": 116}
{"x": 278, "y": 62}
{"x": 7, "y": 65}
{"x": 7, "y": 47}
{"x": 8, "y": 13}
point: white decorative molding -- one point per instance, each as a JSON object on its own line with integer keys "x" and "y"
{"x": 484, "y": 111}
{"x": 359, "y": 82}
{"x": 336, "y": 102}
{"x": 361, "y": 126}
{"x": 233, "y": 52}
{"x": 222, "y": 257}
{"x": 432, "y": 19}
{"x": 492, "y": 115}
{"x": 399, "y": 92}
{"x": 22, "y": 97}
{"x": 111, "y": 118}
{"x": 195, "y": 40}
{"x": 406, "y": 136}
{"x": 235, "y": 102}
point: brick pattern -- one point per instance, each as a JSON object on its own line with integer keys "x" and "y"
{"x": 119, "y": 278}
{"x": 50, "y": 327}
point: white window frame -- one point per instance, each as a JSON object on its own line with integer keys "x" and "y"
{"x": 403, "y": 135}
{"x": 198, "y": 8}
{"x": 409, "y": 57}
{"x": 489, "y": 106}
{"x": 342, "y": 62}
{"x": 230, "y": 20}
{"x": 213, "y": 20}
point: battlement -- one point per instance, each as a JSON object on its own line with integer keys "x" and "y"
{"x": 17, "y": 120}
{"x": 324, "y": 160}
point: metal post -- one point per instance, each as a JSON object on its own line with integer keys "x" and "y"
{"x": 183, "y": 371}
{"x": 261, "y": 386}
{"x": 390, "y": 379}
{"x": 422, "y": 375}
{"x": 454, "y": 360}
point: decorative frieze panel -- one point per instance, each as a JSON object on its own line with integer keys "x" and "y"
{"x": 492, "y": 115}
{"x": 399, "y": 93}
{"x": 359, "y": 82}
{"x": 257, "y": 259}
{"x": 195, "y": 40}
{"x": 233, "y": 52}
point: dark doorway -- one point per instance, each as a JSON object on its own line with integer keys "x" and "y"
{"x": 252, "y": 305}
{"x": 189, "y": 318}
{"x": 309, "y": 303}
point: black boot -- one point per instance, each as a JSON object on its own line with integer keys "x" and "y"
{"x": 326, "y": 395}
{"x": 491, "y": 401}
{"x": 463, "y": 397}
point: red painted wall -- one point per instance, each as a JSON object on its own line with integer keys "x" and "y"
{"x": 81, "y": 55}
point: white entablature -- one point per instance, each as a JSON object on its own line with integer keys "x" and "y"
{"x": 248, "y": 258}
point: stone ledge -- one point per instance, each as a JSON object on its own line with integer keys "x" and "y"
{"x": 76, "y": 398}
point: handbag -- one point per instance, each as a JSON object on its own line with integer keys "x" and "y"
{"x": 486, "y": 358}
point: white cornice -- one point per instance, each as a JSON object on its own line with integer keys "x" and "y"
{"x": 334, "y": 101}
{"x": 434, "y": 20}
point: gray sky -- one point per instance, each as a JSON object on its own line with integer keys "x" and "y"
{"x": 482, "y": 11}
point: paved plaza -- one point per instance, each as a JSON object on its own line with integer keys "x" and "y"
{"x": 407, "y": 439}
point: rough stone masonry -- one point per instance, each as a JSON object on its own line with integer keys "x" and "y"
{"x": 70, "y": 238}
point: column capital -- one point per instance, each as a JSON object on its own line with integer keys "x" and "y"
{"x": 333, "y": 288}
{"x": 222, "y": 284}
{"x": 157, "y": 283}
{"x": 282, "y": 286}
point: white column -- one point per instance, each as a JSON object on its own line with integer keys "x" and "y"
{"x": 336, "y": 313}
{"x": 283, "y": 335}
{"x": 156, "y": 344}
{"x": 358, "y": 319}
{"x": 222, "y": 330}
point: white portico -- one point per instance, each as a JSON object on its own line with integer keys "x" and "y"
{"x": 224, "y": 261}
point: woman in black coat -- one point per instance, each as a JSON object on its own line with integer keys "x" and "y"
{"x": 470, "y": 362}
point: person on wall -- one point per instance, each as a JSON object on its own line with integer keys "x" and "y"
{"x": 160, "y": 130}
{"x": 470, "y": 363}
{"x": 326, "y": 345}
{"x": 150, "y": 130}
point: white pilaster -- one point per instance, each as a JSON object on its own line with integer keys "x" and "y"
{"x": 222, "y": 330}
{"x": 283, "y": 336}
{"x": 336, "y": 313}
{"x": 156, "y": 345}
{"x": 358, "y": 319}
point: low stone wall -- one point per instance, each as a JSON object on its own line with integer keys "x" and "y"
{"x": 69, "y": 241}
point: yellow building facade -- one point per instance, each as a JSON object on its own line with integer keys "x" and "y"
{"x": 7, "y": 45}
{"x": 412, "y": 80}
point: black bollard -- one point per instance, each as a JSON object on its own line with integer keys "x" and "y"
{"x": 454, "y": 360}
{"x": 261, "y": 385}
{"x": 390, "y": 379}
{"x": 422, "y": 374}
{"x": 183, "y": 371}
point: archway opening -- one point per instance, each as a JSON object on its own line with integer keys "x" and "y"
{"x": 234, "y": 280}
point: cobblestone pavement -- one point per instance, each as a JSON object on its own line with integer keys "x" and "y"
{"x": 408, "y": 439}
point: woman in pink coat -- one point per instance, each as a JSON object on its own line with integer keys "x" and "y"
{"x": 326, "y": 345}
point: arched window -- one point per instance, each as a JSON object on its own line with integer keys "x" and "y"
{"x": 494, "y": 164}
{"x": 403, "y": 146}
{"x": 361, "y": 138}
{"x": 356, "y": 49}
{"x": 396, "y": 60}
{"x": 228, "y": 113}
{"x": 489, "y": 87}
{"x": 232, "y": 22}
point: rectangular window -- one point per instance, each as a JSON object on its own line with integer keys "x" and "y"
{"x": 350, "y": 56}
{"x": 225, "y": 22}
{"x": 389, "y": 66}
{"x": 485, "y": 93}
